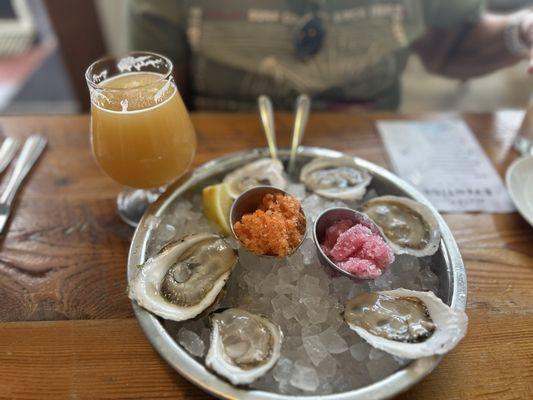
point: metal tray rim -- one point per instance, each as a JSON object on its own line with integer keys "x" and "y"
{"x": 196, "y": 373}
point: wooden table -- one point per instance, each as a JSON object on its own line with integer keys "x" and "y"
{"x": 68, "y": 329}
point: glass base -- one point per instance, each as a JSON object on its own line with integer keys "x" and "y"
{"x": 132, "y": 203}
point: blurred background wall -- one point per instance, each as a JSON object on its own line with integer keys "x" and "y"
{"x": 46, "y": 75}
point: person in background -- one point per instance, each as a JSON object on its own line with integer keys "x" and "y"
{"x": 345, "y": 54}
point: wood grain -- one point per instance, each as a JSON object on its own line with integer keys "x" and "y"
{"x": 64, "y": 258}
{"x": 64, "y": 254}
{"x": 111, "y": 359}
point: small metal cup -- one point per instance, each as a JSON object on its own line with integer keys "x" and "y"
{"x": 328, "y": 218}
{"x": 250, "y": 201}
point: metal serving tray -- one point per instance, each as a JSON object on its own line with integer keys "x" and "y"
{"x": 446, "y": 263}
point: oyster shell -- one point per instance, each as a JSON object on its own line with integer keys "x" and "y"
{"x": 244, "y": 346}
{"x": 263, "y": 172}
{"x": 335, "y": 178}
{"x": 406, "y": 323}
{"x": 409, "y": 226}
{"x": 185, "y": 278}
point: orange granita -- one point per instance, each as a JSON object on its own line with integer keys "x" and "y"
{"x": 276, "y": 228}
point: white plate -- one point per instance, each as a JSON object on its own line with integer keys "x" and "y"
{"x": 519, "y": 180}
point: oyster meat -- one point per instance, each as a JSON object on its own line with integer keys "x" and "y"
{"x": 406, "y": 323}
{"x": 336, "y": 178}
{"x": 263, "y": 172}
{"x": 244, "y": 346}
{"x": 409, "y": 226}
{"x": 185, "y": 278}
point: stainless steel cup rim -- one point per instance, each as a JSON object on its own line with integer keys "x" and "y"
{"x": 248, "y": 201}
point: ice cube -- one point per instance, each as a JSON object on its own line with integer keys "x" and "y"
{"x": 283, "y": 288}
{"x": 310, "y": 302}
{"x": 324, "y": 388}
{"x": 375, "y": 354}
{"x": 315, "y": 349}
{"x": 357, "y": 289}
{"x": 308, "y": 250}
{"x": 309, "y": 286}
{"x": 333, "y": 341}
{"x": 267, "y": 285}
{"x": 289, "y": 310}
{"x": 317, "y": 315}
{"x": 310, "y": 330}
{"x": 304, "y": 378}
{"x": 285, "y": 387}
{"x": 287, "y": 274}
{"x": 334, "y": 319}
{"x": 327, "y": 367}
{"x": 191, "y": 342}
{"x": 301, "y": 314}
{"x": 292, "y": 328}
{"x": 379, "y": 369}
{"x": 406, "y": 263}
{"x": 291, "y": 342}
{"x": 152, "y": 222}
{"x": 268, "y": 264}
{"x": 360, "y": 351}
{"x": 342, "y": 285}
{"x": 280, "y": 302}
{"x": 282, "y": 370}
{"x": 297, "y": 190}
{"x": 246, "y": 258}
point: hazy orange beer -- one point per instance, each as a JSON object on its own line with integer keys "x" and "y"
{"x": 141, "y": 133}
{"x": 142, "y": 136}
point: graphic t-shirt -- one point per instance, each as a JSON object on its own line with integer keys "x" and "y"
{"x": 237, "y": 50}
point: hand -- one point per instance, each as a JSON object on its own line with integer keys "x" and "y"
{"x": 526, "y": 33}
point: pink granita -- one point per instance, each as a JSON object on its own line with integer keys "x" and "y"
{"x": 333, "y": 232}
{"x": 357, "y": 249}
{"x": 364, "y": 269}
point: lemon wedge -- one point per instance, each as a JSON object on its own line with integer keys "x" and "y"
{"x": 217, "y": 203}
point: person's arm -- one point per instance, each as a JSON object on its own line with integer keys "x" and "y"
{"x": 154, "y": 26}
{"x": 470, "y": 50}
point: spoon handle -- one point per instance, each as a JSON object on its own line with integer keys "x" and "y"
{"x": 267, "y": 118}
{"x": 7, "y": 152}
{"x": 303, "y": 104}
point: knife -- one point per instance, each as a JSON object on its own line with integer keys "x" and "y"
{"x": 32, "y": 149}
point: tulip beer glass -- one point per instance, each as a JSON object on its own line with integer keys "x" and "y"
{"x": 141, "y": 132}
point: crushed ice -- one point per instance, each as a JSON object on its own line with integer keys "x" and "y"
{"x": 320, "y": 354}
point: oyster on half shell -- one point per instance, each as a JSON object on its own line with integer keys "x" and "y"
{"x": 185, "y": 277}
{"x": 262, "y": 172}
{"x": 409, "y": 226}
{"x": 244, "y": 346}
{"x": 336, "y": 178}
{"x": 406, "y": 323}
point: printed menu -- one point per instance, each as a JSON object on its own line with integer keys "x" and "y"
{"x": 443, "y": 160}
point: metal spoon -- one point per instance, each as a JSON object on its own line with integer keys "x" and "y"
{"x": 267, "y": 118}
{"x": 303, "y": 104}
{"x": 30, "y": 153}
{"x": 7, "y": 152}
